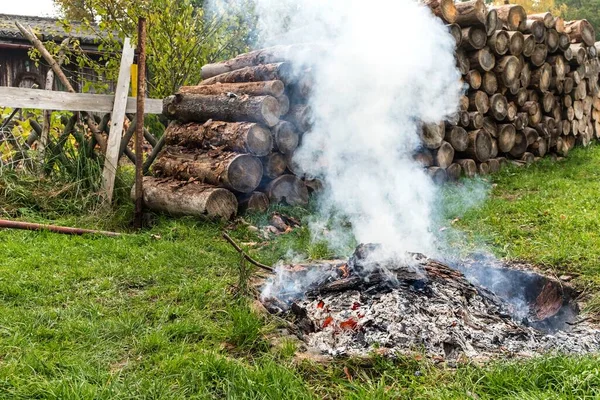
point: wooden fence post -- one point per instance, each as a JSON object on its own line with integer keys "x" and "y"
{"x": 139, "y": 129}
{"x": 111, "y": 160}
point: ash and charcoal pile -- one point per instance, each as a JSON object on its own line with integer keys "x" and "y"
{"x": 419, "y": 304}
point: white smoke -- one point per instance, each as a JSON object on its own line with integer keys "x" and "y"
{"x": 389, "y": 65}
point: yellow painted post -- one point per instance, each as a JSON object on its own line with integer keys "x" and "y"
{"x": 134, "y": 80}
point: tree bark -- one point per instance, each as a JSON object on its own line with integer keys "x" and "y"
{"x": 239, "y": 172}
{"x": 443, "y": 9}
{"x": 243, "y": 137}
{"x": 253, "y": 202}
{"x": 470, "y": 13}
{"x": 580, "y": 31}
{"x": 506, "y": 137}
{"x": 468, "y": 166}
{"x": 265, "y": 72}
{"x": 275, "y": 54}
{"x": 201, "y": 108}
{"x": 274, "y": 165}
{"x": 444, "y": 155}
{"x": 182, "y": 198}
{"x": 457, "y": 137}
{"x": 266, "y": 88}
{"x": 511, "y": 15}
{"x": 287, "y": 189}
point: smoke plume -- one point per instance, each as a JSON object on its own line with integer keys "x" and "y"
{"x": 388, "y": 67}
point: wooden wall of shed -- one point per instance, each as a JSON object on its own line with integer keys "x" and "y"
{"x": 18, "y": 70}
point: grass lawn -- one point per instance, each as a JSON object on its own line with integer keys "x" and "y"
{"x": 156, "y": 315}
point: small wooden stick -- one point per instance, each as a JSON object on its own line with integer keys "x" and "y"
{"x": 246, "y": 256}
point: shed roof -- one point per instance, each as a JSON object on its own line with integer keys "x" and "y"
{"x": 49, "y": 28}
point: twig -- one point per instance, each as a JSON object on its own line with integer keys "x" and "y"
{"x": 246, "y": 256}
{"x": 52, "y": 228}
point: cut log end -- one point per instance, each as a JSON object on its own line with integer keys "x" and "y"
{"x": 288, "y": 189}
{"x": 245, "y": 173}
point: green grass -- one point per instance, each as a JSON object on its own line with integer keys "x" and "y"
{"x": 157, "y": 314}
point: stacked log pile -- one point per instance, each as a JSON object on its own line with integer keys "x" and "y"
{"x": 531, "y": 89}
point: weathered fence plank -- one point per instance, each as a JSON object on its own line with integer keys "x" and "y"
{"x": 116, "y": 123}
{"x": 65, "y": 101}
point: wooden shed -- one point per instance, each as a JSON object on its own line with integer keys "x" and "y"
{"x": 16, "y": 67}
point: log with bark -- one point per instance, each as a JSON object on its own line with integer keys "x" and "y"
{"x": 243, "y": 137}
{"x": 266, "y": 88}
{"x": 188, "y": 198}
{"x": 546, "y": 18}
{"x": 274, "y": 165}
{"x": 470, "y": 13}
{"x": 438, "y": 175}
{"x": 508, "y": 70}
{"x": 473, "y": 38}
{"x": 432, "y": 135}
{"x": 287, "y": 189}
{"x": 443, "y": 9}
{"x": 469, "y": 167}
{"x": 454, "y": 171}
{"x": 480, "y": 146}
{"x": 286, "y": 137}
{"x": 265, "y": 72}
{"x": 456, "y": 32}
{"x": 457, "y": 137}
{"x": 253, "y": 202}
{"x": 268, "y": 55}
{"x": 580, "y": 31}
{"x": 482, "y": 59}
{"x": 201, "y": 108}
{"x": 239, "y": 172}
{"x": 444, "y": 155}
{"x": 511, "y": 15}
{"x": 498, "y": 42}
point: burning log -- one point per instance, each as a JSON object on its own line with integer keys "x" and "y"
{"x": 243, "y": 137}
{"x": 188, "y": 198}
{"x": 239, "y": 172}
{"x": 201, "y": 108}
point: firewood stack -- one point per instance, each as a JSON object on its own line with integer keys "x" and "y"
{"x": 531, "y": 90}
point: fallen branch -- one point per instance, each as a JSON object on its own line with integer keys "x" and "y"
{"x": 4, "y": 223}
{"x": 246, "y": 256}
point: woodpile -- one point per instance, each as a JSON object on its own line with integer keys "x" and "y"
{"x": 531, "y": 90}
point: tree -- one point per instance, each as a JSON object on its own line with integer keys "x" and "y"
{"x": 182, "y": 36}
